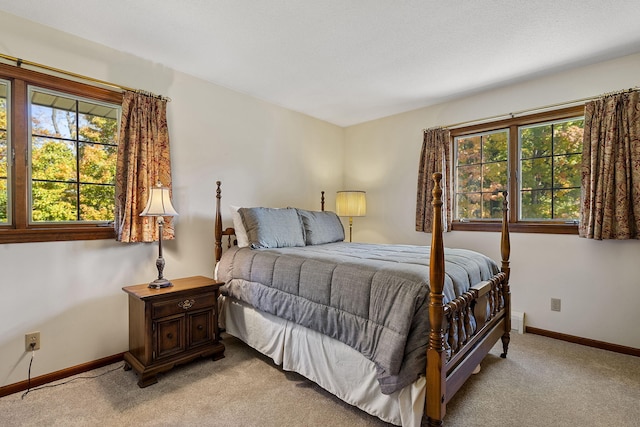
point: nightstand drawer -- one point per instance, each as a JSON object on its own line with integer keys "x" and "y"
{"x": 181, "y": 305}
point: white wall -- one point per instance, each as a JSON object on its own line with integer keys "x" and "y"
{"x": 266, "y": 155}
{"x": 71, "y": 291}
{"x": 597, "y": 281}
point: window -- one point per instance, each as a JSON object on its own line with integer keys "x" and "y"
{"x": 536, "y": 158}
{"x": 481, "y": 173}
{"x": 550, "y": 162}
{"x": 58, "y": 147}
{"x": 72, "y": 157}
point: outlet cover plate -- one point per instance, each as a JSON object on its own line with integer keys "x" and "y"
{"x": 32, "y": 337}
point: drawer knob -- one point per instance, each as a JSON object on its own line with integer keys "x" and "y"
{"x": 186, "y": 304}
{"x": 169, "y": 335}
{"x": 200, "y": 327}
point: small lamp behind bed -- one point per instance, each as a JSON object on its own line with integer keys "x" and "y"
{"x": 351, "y": 203}
{"x": 159, "y": 205}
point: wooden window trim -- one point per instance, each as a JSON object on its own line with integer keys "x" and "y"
{"x": 56, "y": 234}
{"x": 512, "y": 124}
{"x": 20, "y": 231}
{"x": 516, "y": 227}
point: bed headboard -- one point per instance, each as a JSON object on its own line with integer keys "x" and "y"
{"x": 230, "y": 231}
{"x": 219, "y": 232}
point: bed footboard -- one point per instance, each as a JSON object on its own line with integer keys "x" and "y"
{"x": 464, "y": 330}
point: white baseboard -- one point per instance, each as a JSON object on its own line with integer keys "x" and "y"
{"x": 517, "y": 321}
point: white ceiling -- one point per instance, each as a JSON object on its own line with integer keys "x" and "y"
{"x": 350, "y": 61}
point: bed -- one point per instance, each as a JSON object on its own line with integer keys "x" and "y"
{"x": 385, "y": 328}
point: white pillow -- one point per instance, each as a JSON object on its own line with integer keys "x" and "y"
{"x": 238, "y": 225}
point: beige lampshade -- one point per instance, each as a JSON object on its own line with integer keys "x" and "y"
{"x": 159, "y": 203}
{"x": 351, "y": 203}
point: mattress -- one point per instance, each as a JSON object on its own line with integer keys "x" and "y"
{"x": 373, "y": 298}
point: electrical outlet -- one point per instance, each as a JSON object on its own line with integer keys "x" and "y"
{"x": 32, "y": 338}
{"x": 555, "y": 304}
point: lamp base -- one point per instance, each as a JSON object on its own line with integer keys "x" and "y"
{"x": 160, "y": 283}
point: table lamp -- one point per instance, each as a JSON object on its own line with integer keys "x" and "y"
{"x": 159, "y": 205}
{"x": 351, "y": 203}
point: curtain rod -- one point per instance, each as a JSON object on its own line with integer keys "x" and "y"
{"x": 531, "y": 110}
{"x": 20, "y": 62}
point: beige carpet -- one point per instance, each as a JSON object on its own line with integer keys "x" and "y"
{"x": 544, "y": 382}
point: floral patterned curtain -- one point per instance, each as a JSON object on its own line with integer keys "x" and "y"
{"x": 611, "y": 168}
{"x": 435, "y": 157}
{"x": 143, "y": 161}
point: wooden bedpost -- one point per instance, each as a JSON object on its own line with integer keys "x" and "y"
{"x": 218, "y": 224}
{"x": 322, "y": 201}
{"x": 505, "y": 250}
{"x": 436, "y": 356}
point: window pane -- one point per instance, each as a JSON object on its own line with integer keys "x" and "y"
{"x": 97, "y": 163}
{"x": 469, "y": 150}
{"x": 536, "y": 204}
{"x": 53, "y": 201}
{"x": 4, "y": 154}
{"x": 551, "y": 164}
{"x": 567, "y": 137}
{"x": 3, "y": 107}
{"x": 468, "y": 206}
{"x": 470, "y": 178}
{"x": 535, "y": 141}
{"x": 481, "y": 172}
{"x": 3, "y": 201}
{"x": 566, "y": 204}
{"x": 53, "y": 115}
{"x": 97, "y": 123}
{"x": 492, "y": 206}
{"x": 494, "y": 148}
{"x": 536, "y": 173}
{"x": 494, "y": 177}
{"x": 96, "y": 202}
{"x": 73, "y": 157}
{"x": 4, "y": 194}
{"x": 53, "y": 160}
{"x": 567, "y": 171}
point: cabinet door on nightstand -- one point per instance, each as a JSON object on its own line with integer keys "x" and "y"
{"x": 200, "y": 328}
{"x": 169, "y": 336}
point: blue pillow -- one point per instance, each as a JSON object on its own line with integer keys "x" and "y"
{"x": 272, "y": 228}
{"x": 321, "y": 227}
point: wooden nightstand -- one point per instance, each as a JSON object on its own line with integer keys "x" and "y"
{"x": 173, "y": 325}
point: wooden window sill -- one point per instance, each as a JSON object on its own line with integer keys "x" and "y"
{"x": 55, "y": 234}
{"x": 517, "y": 227}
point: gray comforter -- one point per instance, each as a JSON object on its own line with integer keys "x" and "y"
{"x": 373, "y": 298}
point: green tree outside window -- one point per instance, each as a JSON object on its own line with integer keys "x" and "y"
{"x": 73, "y": 158}
{"x": 548, "y": 171}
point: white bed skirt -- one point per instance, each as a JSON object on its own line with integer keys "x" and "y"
{"x": 334, "y": 366}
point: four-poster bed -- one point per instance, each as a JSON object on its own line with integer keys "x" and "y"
{"x": 317, "y": 329}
